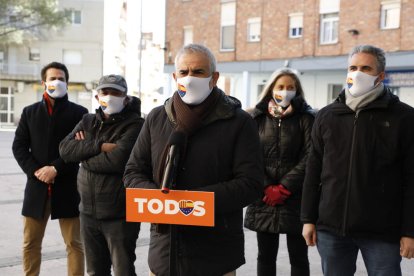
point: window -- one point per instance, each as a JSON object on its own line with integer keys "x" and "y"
{"x": 34, "y": 54}
{"x": 333, "y": 91}
{"x": 329, "y": 11}
{"x": 72, "y": 57}
{"x": 6, "y": 105}
{"x": 253, "y": 29}
{"x": 74, "y": 17}
{"x": 329, "y": 28}
{"x": 228, "y": 25}
{"x": 295, "y": 25}
{"x": 390, "y": 14}
{"x": 188, "y": 35}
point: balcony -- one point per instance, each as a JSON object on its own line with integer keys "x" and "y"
{"x": 19, "y": 71}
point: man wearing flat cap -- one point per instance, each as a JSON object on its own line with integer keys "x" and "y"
{"x": 102, "y": 143}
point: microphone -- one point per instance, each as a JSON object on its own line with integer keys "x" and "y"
{"x": 176, "y": 141}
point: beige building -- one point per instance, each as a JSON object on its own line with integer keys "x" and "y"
{"x": 252, "y": 38}
{"x": 78, "y": 45}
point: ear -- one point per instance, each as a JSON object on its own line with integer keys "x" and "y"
{"x": 174, "y": 76}
{"x": 214, "y": 77}
{"x": 381, "y": 76}
{"x": 127, "y": 100}
{"x": 97, "y": 98}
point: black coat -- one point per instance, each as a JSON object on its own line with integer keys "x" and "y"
{"x": 222, "y": 157}
{"x": 360, "y": 179}
{"x": 100, "y": 182}
{"x": 36, "y": 144}
{"x": 286, "y": 144}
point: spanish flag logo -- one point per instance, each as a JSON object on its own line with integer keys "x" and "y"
{"x": 186, "y": 206}
{"x": 181, "y": 90}
{"x": 103, "y": 105}
{"x": 350, "y": 82}
{"x": 51, "y": 88}
{"x": 278, "y": 97}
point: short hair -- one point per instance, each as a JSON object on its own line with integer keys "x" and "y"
{"x": 56, "y": 65}
{"x": 378, "y": 53}
{"x": 197, "y": 48}
{"x": 270, "y": 84}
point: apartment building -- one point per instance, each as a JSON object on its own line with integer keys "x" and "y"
{"x": 252, "y": 38}
{"x": 78, "y": 45}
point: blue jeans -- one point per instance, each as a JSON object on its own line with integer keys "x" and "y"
{"x": 339, "y": 255}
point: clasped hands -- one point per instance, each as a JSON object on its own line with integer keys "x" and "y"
{"x": 46, "y": 174}
{"x": 275, "y": 194}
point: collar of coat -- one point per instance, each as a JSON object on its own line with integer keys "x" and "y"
{"x": 224, "y": 109}
{"x": 59, "y": 103}
{"x": 298, "y": 103}
{"x": 382, "y": 102}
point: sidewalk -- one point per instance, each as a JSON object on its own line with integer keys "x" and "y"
{"x": 12, "y": 182}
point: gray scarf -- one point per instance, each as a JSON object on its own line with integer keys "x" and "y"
{"x": 356, "y": 103}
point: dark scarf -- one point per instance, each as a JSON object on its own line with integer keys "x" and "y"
{"x": 189, "y": 119}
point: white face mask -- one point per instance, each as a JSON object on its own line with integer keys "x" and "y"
{"x": 56, "y": 89}
{"x": 283, "y": 97}
{"x": 193, "y": 90}
{"x": 111, "y": 104}
{"x": 359, "y": 83}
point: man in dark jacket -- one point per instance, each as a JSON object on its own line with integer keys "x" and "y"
{"x": 359, "y": 184}
{"x": 51, "y": 183}
{"x": 103, "y": 143}
{"x": 221, "y": 154}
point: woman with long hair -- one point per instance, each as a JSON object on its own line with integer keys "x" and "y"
{"x": 284, "y": 121}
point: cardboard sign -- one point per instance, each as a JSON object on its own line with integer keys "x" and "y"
{"x": 176, "y": 207}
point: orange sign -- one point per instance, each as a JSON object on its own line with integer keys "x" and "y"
{"x": 176, "y": 207}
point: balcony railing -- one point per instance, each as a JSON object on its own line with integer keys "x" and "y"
{"x": 20, "y": 71}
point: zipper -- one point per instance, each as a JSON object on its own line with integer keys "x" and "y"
{"x": 278, "y": 124}
{"x": 279, "y": 128}
{"x": 93, "y": 188}
{"x": 100, "y": 128}
{"x": 348, "y": 187}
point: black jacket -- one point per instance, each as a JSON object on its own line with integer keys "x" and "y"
{"x": 36, "y": 144}
{"x": 360, "y": 179}
{"x": 222, "y": 157}
{"x": 286, "y": 144}
{"x": 100, "y": 182}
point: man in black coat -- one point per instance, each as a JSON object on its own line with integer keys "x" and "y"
{"x": 359, "y": 185}
{"x": 102, "y": 142}
{"x": 220, "y": 153}
{"x": 51, "y": 183}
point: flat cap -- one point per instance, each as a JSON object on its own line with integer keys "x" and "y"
{"x": 113, "y": 81}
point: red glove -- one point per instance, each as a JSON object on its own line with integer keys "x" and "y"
{"x": 276, "y": 194}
